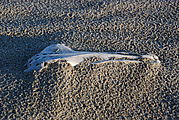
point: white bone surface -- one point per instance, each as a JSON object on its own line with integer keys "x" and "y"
{"x": 60, "y": 52}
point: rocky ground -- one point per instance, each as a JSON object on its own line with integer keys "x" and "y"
{"x": 108, "y": 91}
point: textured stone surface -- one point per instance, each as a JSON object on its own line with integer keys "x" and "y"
{"x": 109, "y": 91}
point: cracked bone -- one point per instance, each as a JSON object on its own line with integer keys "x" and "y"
{"x": 60, "y": 53}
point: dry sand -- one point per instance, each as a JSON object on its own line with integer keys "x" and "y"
{"x": 108, "y": 91}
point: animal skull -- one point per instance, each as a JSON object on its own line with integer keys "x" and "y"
{"x": 60, "y": 52}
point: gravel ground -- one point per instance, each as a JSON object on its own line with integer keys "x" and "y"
{"x": 108, "y": 91}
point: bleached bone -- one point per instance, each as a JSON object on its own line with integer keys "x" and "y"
{"x": 61, "y": 53}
